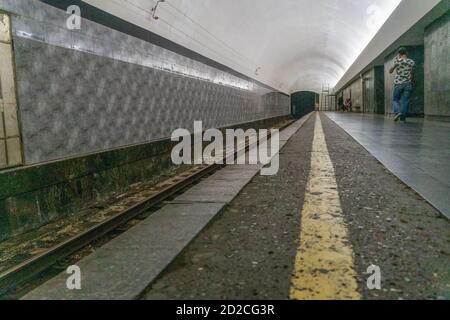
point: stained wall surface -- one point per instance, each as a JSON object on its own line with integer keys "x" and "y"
{"x": 354, "y": 92}
{"x": 96, "y": 88}
{"x": 357, "y": 101}
{"x": 374, "y": 90}
{"x": 437, "y": 69}
{"x": 369, "y": 91}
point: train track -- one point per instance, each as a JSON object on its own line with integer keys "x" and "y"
{"x": 27, "y": 270}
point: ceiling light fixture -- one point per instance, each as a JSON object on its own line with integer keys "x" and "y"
{"x": 154, "y": 16}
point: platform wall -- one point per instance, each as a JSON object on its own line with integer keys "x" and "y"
{"x": 96, "y": 88}
{"x": 354, "y": 92}
{"x": 33, "y": 196}
{"x": 97, "y": 105}
{"x": 374, "y": 90}
{"x": 437, "y": 69}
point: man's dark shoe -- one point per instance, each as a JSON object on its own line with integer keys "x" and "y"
{"x": 397, "y": 117}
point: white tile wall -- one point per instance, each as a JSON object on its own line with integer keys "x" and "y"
{"x": 2, "y": 130}
{"x": 5, "y": 34}
{"x": 14, "y": 151}
{"x": 8, "y": 94}
{"x": 10, "y": 143}
{"x": 3, "y": 160}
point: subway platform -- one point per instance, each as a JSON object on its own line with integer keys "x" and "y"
{"x": 226, "y": 150}
{"x": 417, "y": 152}
{"x": 310, "y": 232}
{"x": 251, "y": 251}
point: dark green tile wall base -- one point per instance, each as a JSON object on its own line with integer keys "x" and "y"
{"x": 36, "y": 195}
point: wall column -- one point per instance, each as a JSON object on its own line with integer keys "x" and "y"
{"x": 10, "y": 141}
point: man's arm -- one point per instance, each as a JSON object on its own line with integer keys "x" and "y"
{"x": 396, "y": 64}
{"x": 391, "y": 70}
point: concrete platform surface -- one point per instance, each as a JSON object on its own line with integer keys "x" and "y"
{"x": 249, "y": 251}
{"x": 122, "y": 268}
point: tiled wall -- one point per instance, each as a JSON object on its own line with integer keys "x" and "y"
{"x": 10, "y": 143}
{"x": 94, "y": 89}
{"x": 346, "y": 93}
{"x": 437, "y": 69}
{"x": 367, "y": 96}
{"x": 369, "y": 91}
{"x": 354, "y": 91}
{"x": 356, "y": 88}
{"x": 374, "y": 90}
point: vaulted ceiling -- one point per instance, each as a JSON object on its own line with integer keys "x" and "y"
{"x": 289, "y": 44}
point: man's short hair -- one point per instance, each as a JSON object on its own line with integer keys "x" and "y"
{"x": 403, "y": 51}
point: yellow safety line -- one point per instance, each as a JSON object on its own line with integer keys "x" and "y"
{"x": 324, "y": 268}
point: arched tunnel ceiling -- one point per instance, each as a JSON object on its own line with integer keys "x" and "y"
{"x": 290, "y": 45}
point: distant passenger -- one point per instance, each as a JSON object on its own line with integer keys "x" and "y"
{"x": 348, "y": 105}
{"x": 403, "y": 84}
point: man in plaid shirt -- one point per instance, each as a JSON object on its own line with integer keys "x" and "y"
{"x": 403, "y": 84}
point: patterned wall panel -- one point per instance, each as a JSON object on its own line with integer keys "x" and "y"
{"x": 437, "y": 69}
{"x": 94, "y": 89}
{"x": 374, "y": 90}
{"x": 356, "y": 92}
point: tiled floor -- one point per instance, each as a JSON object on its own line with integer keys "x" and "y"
{"x": 417, "y": 152}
